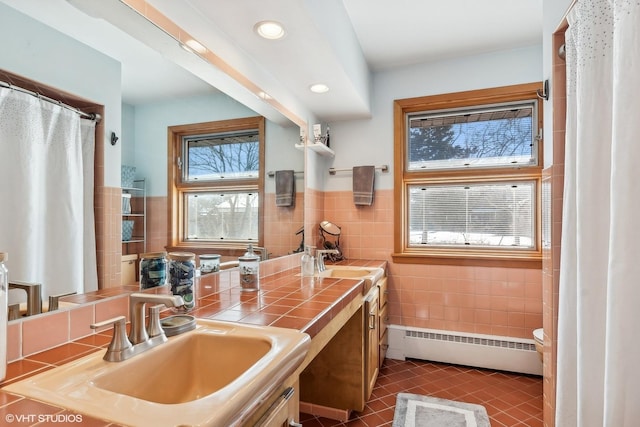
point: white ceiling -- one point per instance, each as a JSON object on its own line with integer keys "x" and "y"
{"x": 338, "y": 42}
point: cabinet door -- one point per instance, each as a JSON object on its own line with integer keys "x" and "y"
{"x": 384, "y": 292}
{"x": 372, "y": 341}
{"x": 383, "y": 321}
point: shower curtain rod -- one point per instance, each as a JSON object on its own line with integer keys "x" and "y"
{"x": 90, "y": 116}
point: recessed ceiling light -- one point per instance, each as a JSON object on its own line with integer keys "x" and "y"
{"x": 271, "y": 30}
{"x": 196, "y": 46}
{"x": 319, "y": 88}
{"x": 264, "y": 95}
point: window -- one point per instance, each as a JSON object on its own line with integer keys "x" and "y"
{"x": 216, "y": 185}
{"x": 468, "y": 176}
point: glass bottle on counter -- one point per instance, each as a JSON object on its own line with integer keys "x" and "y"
{"x": 308, "y": 262}
{"x": 153, "y": 269}
{"x": 182, "y": 274}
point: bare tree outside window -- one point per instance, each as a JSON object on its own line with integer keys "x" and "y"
{"x": 223, "y": 157}
{"x": 220, "y": 213}
{"x": 481, "y": 139}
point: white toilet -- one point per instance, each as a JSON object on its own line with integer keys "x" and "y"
{"x": 538, "y": 337}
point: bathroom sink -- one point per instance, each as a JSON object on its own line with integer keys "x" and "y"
{"x": 206, "y": 377}
{"x": 370, "y": 275}
{"x": 202, "y": 364}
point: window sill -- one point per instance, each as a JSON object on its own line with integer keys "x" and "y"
{"x": 533, "y": 261}
{"x": 229, "y": 251}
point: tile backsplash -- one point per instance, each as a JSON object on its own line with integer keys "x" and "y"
{"x": 32, "y": 335}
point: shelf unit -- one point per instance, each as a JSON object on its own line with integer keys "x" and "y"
{"x": 318, "y": 147}
{"x": 138, "y": 214}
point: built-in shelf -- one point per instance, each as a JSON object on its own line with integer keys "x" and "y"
{"x": 318, "y": 147}
{"x": 139, "y": 215}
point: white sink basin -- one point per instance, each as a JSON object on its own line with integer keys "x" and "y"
{"x": 205, "y": 377}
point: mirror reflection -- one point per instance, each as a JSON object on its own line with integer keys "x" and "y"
{"x": 140, "y": 134}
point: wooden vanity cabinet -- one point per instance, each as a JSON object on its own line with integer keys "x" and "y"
{"x": 341, "y": 377}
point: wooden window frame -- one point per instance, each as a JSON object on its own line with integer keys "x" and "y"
{"x": 176, "y": 186}
{"x": 405, "y": 254}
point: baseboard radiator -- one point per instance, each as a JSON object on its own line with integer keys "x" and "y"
{"x": 483, "y": 351}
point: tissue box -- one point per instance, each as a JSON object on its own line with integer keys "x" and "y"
{"x": 127, "y": 174}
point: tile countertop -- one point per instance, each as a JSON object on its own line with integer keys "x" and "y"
{"x": 285, "y": 300}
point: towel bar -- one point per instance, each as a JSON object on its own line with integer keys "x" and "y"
{"x": 271, "y": 174}
{"x": 332, "y": 171}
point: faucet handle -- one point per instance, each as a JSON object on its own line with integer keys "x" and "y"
{"x": 155, "y": 328}
{"x": 120, "y": 344}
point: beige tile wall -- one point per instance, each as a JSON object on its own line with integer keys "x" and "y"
{"x": 108, "y": 207}
{"x": 485, "y": 300}
{"x": 281, "y": 224}
{"x": 33, "y": 335}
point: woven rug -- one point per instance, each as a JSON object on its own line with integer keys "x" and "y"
{"x": 414, "y": 410}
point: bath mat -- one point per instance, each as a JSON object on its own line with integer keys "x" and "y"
{"x": 414, "y": 410}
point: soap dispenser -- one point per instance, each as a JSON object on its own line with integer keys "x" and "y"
{"x": 249, "y": 266}
{"x": 307, "y": 261}
{"x": 249, "y": 251}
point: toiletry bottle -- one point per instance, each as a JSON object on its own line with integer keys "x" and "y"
{"x": 249, "y": 267}
{"x": 4, "y": 316}
{"x": 307, "y": 261}
{"x": 304, "y": 260}
{"x": 327, "y": 138}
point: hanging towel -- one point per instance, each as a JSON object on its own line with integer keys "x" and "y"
{"x": 285, "y": 188}
{"x": 363, "y": 177}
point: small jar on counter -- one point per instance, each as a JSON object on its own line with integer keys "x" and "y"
{"x": 153, "y": 269}
{"x": 249, "y": 266}
{"x": 182, "y": 274}
{"x": 209, "y": 263}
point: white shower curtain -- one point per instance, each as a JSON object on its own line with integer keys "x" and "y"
{"x": 46, "y": 194}
{"x": 598, "y": 380}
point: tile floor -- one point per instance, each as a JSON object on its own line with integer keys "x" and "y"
{"x": 510, "y": 399}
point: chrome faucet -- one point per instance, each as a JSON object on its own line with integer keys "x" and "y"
{"x": 261, "y": 252}
{"x": 137, "y": 301}
{"x": 140, "y": 338}
{"x": 320, "y": 258}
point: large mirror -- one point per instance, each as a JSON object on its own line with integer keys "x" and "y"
{"x": 141, "y": 140}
